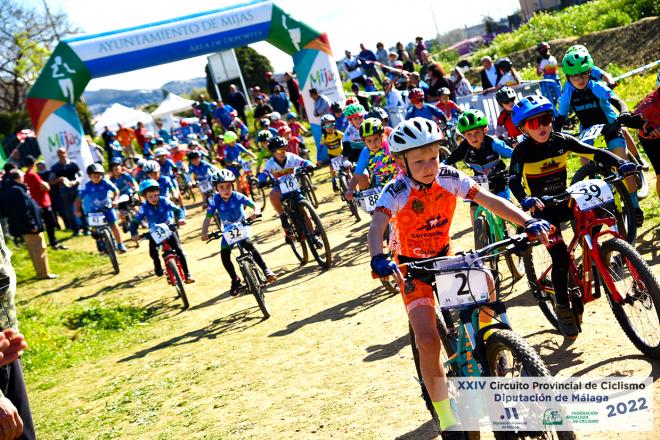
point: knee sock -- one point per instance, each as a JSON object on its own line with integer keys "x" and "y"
{"x": 445, "y": 414}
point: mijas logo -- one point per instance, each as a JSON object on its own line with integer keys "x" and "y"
{"x": 321, "y": 78}
{"x": 63, "y": 139}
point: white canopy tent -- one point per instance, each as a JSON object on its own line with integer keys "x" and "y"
{"x": 171, "y": 105}
{"x": 120, "y": 114}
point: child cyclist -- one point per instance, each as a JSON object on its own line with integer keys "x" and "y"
{"x": 375, "y": 161}
{"x": 332, "y": 139}
{"x": 482, "y": 153}
{"x": 539, "y": 163}
{"x": 99, "y": 194}
{"x": 423, "y": 198}
{"x": 200, "y": 168}
{"x": 233, "y": 151}
{"x": 506, "y": 97}
{"x": 594, "y": 103}
{"x": 158, "y": 210}
{"x": 167, "y": 187}
{"x": 280, "y": 164}
{"x": 352, "y": 141}
{"x": 263, "y": 137}
{"x": 419, "y": 108}
{"x": 229, "y": 206}
{"x": 448, "y": 107}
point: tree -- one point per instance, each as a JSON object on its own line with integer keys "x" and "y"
{"x": 253, "y": 66}
{"x": 27, "y": 36}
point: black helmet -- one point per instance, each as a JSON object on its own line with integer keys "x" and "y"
{"x": 278, "y": 143}
{"x": 336, "y": 107}
{"x": 95, "y": 168}
{"x": 193, "y": 154}
{"x": 505, "y": 94}
{"x": 378, "y": 113}
{"x": 264, "y": 135}
{"x": 504, "y": 64}
{"x": 264, "y": 122}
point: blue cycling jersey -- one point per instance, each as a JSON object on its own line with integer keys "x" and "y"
{"x": 203, "y": 170}
{"x": 124, "y": 183}
{"x": 166, "y": 186}
{"x": 163, "y": 212}
{"x": 96, "y": 196}
{"x": 591, "y": 104}
{"x": 341, "y": 123}
{"x": 428, "y": 111}
{"x": 167, "y": 168}
{"x": 230, "y": 210}
{"x": 233, "y": 152}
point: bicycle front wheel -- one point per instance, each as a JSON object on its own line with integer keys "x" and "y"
{"x": 175, "y": 275}
{"x": 296, "y": 241}
{"x": 317, "y": 239}
{"x": 352, "y": 205}
{"x": 109, "y": 244}
{"x": 255, "y": 287}
{"x": 639, "y": 311}
{"x": 308, "y": 189}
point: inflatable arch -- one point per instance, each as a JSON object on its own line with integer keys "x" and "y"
{"x": 75, "y": 61}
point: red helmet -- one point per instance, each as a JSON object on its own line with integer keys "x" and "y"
{"x": 416, "y": 94}
{"x": 283, "y": 130}
{"x": 351, "y": 100}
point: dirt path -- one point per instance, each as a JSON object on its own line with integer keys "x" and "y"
{"x": 332, "y": 362}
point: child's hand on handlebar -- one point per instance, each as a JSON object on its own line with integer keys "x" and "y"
{"x": 538, "y": 228}
{"x": 181, "y": 222}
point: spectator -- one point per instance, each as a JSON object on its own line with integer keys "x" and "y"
{"x": 272, "y": 82}
{"x": 414, "y": 80}
{"x": 392, "y": 58}
{"x": 489, "y": 75}
{"x": 367, "y": 58}
{"x": 66, "y": 176}
{"x": 408, "y": 65}
{"x": 39, "y": 192}
{"x": 279, "y": 101}
{"x": 395, "y": 107}
{"x": 205, "y": 108}
{"x": 95, "y": 149}
{"x": 222, "y": 113}
{"x": 321, "y": 103}
{"x": 400, "y": 50}
{"x": 459, "y": 84}
{"x": 425, "y": 61}
{"x": 125, "y": 136}
{"x": 437, "y": 80}
{"x": 237, "y": 100}
{"x": 507, "y": 74}
{"x": 294, "y": 91}
{"x": 352, "y": 66}
{"x": 108, "y": 138}
{"x": 16, "y": 416}
{"x": 419, "y": 48}
{"x": 381, "y": 53}
{"x": 260, "y": 110}
{"x": 15, "y": 157}
{"x": 140, "y": 133}
{"x": 24, "y": 218}
{"x": 362, "y": 98}
{"x": 162, "y": 132}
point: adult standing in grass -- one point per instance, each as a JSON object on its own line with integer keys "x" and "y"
{"x": 15, "y": 414}
{"x": 237, "y": 100}
{"x": 66, "y": 176}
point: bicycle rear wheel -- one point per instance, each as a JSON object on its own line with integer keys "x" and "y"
{"x": 255, "y": 287}
{"x": 308, "y": 189}
{"x": 173, "y": 271}
{"x": 352, "y": 205}
{"x": 109, "y": 244}
{"x": 257, "y": 194}
{"x": 639, "y": 313}
{"x": 317, "y": 239}
{"x": 539, "y": 256}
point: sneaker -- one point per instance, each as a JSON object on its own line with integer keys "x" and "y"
{"x": 49, "y": 276}
{"x": 235, "y": 286}
{"x": 566, "y": 321}
{"x": 639, "y": 217}
{"x": 158, "y": 271}
{"x": 270, "y": 276}
{"x": 121, "y": 248}
{"x": 189, "y": 279}
{"x": 59, "y": 246}
{"x": 452, "y": 435}
{"x": 643, "y": 163}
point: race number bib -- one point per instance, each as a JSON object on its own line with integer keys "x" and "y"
{"x": 160, "y": 232}
{"x": 461, "y": 288}
{"x": 337, "y": 162}
{"x": 482, "y": 180}
{"x": 247, "y": 167}
{"x": 590, "y": 193}
{"x": 288, "y": 184}
{"x": 96, "y": 219}
{"x": 369, "y": 198}
{"x": 205, "y": 186}
{"x": 591, "y": 133}
{"x": 234, "y": 233}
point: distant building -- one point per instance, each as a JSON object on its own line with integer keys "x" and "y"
{"x": 529, "y": 7}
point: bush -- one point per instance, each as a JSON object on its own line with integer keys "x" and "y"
{"x": 99, "y": 317}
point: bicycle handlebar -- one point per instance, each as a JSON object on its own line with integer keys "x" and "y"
{"x": 247, "y": 222}
{"x": 147, "y": 235}
{"x": 564, "y": 196}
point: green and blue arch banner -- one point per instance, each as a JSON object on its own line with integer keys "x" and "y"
{"x": 76, "y": 61}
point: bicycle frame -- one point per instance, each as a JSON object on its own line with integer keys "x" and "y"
{"x": 496, "y": 223}
{"x": 169, "y": 254}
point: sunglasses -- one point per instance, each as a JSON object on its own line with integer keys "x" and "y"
{"x": 328, "y": 125}
{"x": 541, "y": 120}
{"x": 280, "y": 151}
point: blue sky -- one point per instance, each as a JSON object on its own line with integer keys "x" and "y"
{"x": 347, "y": 22}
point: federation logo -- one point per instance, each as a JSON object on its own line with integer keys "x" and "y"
{"x": 552, "y": 417}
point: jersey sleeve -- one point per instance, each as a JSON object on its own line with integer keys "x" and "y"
{"x": 458, "y": 154}
{"x": 516, "y": 175}
{"x": 137, "y": 220}
{"x": 363, "y": 161}
{"x": 179, "y": 214}
{"x": 565, "y": 100}
{"x": 502, "y": 149}
{"x": 244, "y": 200}
{"x": 390, "y": 200}
{"x": 435, "y": 111}
{"x": 457, "y": 182}
{"x": 212, "y": 207}
{"x": 111, "y": 186}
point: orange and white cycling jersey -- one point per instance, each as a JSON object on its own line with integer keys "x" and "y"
{"x": 422, "y": 216}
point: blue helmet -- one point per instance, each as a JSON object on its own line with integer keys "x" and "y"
{"x": 116, "y": 161}
{"x": 530, "y": 106}
{"x": 148, "y": 184}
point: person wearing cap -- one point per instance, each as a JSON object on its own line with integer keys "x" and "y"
{"x": 489, "y": 75}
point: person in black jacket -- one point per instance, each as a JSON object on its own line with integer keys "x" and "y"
{"x": 24, "y": 218}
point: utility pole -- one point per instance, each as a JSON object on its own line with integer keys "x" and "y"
{"x": 437, "y": 31}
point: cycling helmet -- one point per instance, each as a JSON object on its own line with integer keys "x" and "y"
{"x": 223, "y": 176}
{"x": 504, "y": 64}
{"x": 229, "y": 136}
{"x": 472, "y": 119}
{"x": 291, "y": 115}
{"x": 413, "y": 133}
{"x": 278, "y": 143}
{"x": 577, "y": 47}
{"x": 416, "y": 94}
{"x": 141, "y": 162}
{"x": 265, "y": 122}
{"x": 354, "y": 110}
{"x": 161, "y": 152}
{"x": 275, "y": 116}
{"x": 116, "y": 161}
{"x": 336, "y": 107}
{"x": 327, "y": 119}
{"x": 148, "y": 184}
{"x": 351, "y": 100}
{"x": 371, "y": 127}
{"x": 378, "y": 113}
{"x": 284, "y": 129}
{"x": 505, "y": 94}
{"x": 444, "y": 91}
{"x": 264, "y": 135}
{"x": 657, "y": 80}
{"x": 542, "y": 47}
{"x": 193, "y": 155}
{"x": 151, "y": 167}
{"x": 148, "y": 135}
{"x": 530, "y": 106}
{"x": 576, "y": 62}
{"x": 95, "y": 168}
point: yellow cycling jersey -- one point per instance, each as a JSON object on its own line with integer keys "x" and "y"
{"x": 333, "y": 142}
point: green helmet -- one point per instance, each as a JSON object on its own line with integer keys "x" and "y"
{"x": 471, "y": 119}
{"x": 370, "y": 127}
{"x": 576, "y": 62}
{"x": 354, "y": 110}
{"x": 577, "y": 47}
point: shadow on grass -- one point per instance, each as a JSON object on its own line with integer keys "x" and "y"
{"x": 341, "y": 311}
{"x": 426, "y": 431}
{"x": 236, "y": 322}
{"x": 126, "y": 284}
{"x": 383, "y": 351}
{"x": 614, "y": 372}
{"x": 75, "y": 283}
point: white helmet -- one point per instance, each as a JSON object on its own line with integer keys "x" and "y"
{"x": 151, "y": 167}
{"x": 275, "y": 116}
{"x": 223, "y": 176}
{"x": 414, "y": 133}
{"x": 162, "y": 151}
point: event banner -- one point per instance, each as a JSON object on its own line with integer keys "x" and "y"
{"x": 585, "y": 403}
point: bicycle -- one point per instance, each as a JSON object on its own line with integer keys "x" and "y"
{"x": 490, "y": 228}
{"x": 343, "y": 174}
{"x": 125, "y": 204}
{"x": 159, "y": 233}
{"x": 255, "y": 278}
{"x": 185, "y": 184}
{"x": 306, "y": 226}
{"x": 451, "y": 138}
{"x": 206, "y": 188}
{"x": 256, "y": 193}
{"x": 605, "y": 265}
{"x": 466, "y": 295}
{"x": 103, "y": 235}
{"x": 624, "y": 213}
